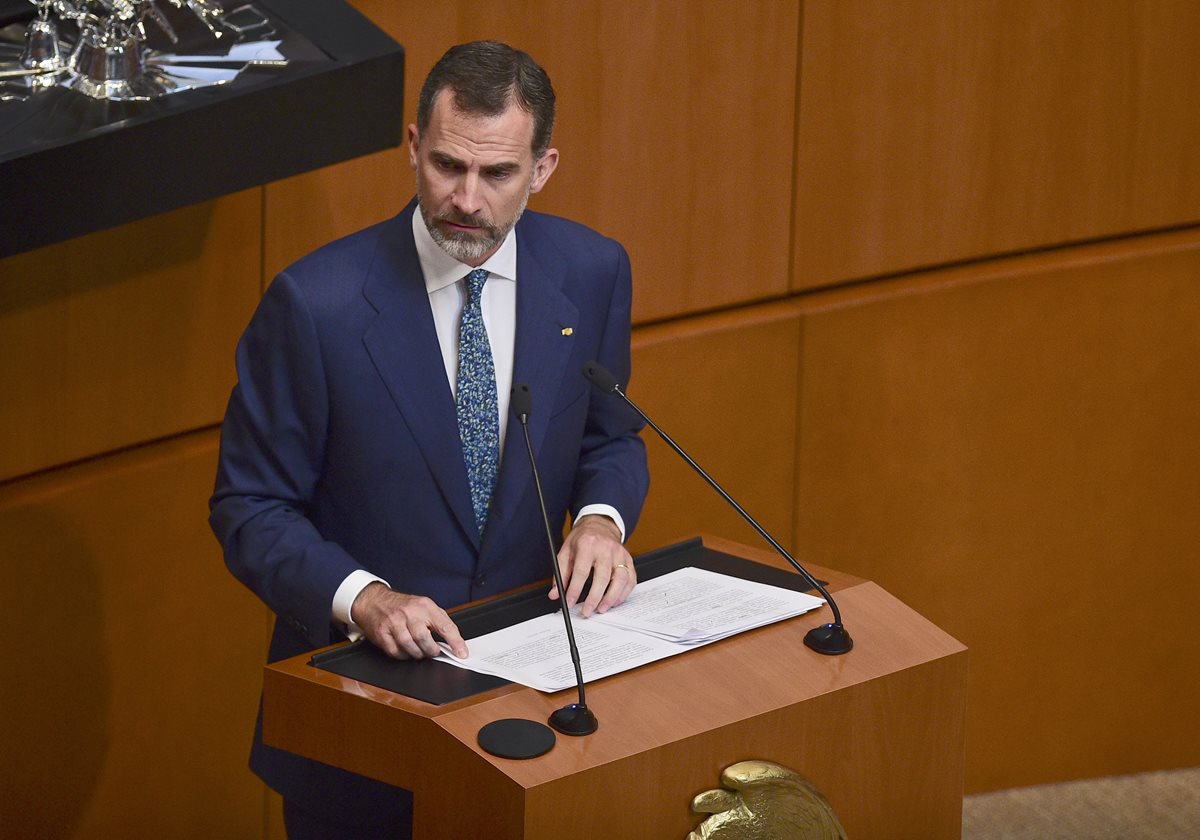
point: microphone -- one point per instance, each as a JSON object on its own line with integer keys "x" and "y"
{"x": 830, "y": 639}
{"x": 574, "y": 718}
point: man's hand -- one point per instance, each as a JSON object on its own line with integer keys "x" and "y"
{"x": 594, "y": 547}
{"x": 402, "y": 626}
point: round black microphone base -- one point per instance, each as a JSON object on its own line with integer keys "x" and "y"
{"x": 574, "y": 719}
{"x": 829, "y": 639}
{"x": 516, "y": 738}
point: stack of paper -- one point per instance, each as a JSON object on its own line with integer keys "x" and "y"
{"x": 663, "y": 617}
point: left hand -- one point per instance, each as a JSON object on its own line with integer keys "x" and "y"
{"x": 593, "y": 547}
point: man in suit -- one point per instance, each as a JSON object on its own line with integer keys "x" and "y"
{"x": 369, "y": 476}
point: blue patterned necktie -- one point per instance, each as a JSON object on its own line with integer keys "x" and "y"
{"x": 475, "y": 400}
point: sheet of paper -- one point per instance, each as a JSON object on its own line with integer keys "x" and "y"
{"x": 536, "y": 653}
{"x": 663, "y": 617}
{"x": 692, "y": 605}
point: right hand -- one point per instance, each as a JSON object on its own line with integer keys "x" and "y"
{"x": 402, "y": 626}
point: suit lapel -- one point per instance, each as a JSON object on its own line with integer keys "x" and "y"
{"x": 540, "y": 357}
{"x": 402, "y": 343}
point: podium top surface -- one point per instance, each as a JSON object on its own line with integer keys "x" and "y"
{"x": 395, "y": 738}
{"x": 437, "y": 682}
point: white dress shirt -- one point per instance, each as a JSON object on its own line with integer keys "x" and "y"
{"x": 445, "y": 282}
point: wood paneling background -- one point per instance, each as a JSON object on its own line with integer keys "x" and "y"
{"x": 1012, "y": 447}
{"x": 130, "y": 656}
{"x": 732, "y": 408}
{"x": 916, "y": 281}
{"x": 937, "y": 132}
{"x": 124, "y": 336}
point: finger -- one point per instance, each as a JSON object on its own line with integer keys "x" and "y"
{"x": 622, "y": 583}
{"x": 428, "y": 646}
{"x": 631, "y": 578}
{"x": 564, "y": 566}
{"x": 581, "y": 567}
{"x": 395, "y": 641}
{"x": 380, "y": 633}
{"x": 421, "y": 625}
{"x": 601, "y": 577}
{"x": 386, "y": 643}
{"x": 408, "y": 645}
{"x": 448, "y": 630}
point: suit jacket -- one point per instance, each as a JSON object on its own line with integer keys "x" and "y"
{"x": 340, "y": 446}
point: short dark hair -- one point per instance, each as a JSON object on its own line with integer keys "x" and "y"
{"x": 485, "y": 77}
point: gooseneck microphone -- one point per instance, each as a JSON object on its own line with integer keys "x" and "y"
{"x": 829, "y": 639}
{"x": 574, "y": 718}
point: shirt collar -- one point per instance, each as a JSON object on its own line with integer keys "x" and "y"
{"x": 442, "y": 270}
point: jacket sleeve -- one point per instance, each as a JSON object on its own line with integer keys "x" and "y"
{"x": 612, "y": 466}
{"x": 272, "y": 447}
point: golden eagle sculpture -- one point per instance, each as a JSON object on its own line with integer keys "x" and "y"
{"x": 764, "y": 801}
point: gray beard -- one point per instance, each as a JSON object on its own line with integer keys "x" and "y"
{"x": 465, "y": 247}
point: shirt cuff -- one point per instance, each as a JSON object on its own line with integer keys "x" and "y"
{"x": 603, "y": 510}
{"x": 343, "y": 599}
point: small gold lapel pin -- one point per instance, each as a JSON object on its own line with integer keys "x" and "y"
{"x": 568, "y": 331}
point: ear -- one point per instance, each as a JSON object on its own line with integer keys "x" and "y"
{"x": 414, "y": 141}
{"x": 543, "y": 169}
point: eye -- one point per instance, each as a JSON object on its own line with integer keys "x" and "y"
{"x": 499, "y": 173}
{"x": 445, "y": 163}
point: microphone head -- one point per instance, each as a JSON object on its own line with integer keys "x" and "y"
{"x": 522, "y": 400}
{"x": 599, "y": 376}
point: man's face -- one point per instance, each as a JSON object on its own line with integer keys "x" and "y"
{"x": 474, "y": 175}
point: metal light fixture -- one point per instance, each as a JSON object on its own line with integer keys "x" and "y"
{"x": 99, "y": 48}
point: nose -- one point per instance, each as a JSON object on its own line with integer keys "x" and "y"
{"x": 467, "y": 197}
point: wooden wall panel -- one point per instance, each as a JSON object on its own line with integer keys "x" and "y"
{"x": 1011, "y": 449}
{"x": 675, "y": 127}
{"x": 936, "y": 132}
{"x": 724, "y": 388}
{"x": 132, "y": 657}
{"x": 306, "y": 211}
{"x": 125, "y": 335}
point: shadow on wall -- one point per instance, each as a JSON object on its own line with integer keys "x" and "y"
{"x": 93, "y": 263}
{"x": 55, "y": 694}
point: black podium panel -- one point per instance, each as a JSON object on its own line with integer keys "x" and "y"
{"x": 70, "y": 164}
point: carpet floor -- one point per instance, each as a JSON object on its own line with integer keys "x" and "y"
{"x": 1163, "y": 805}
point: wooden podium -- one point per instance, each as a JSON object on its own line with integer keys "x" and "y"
{"x": 879, "y": 731}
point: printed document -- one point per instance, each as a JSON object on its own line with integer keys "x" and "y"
{"x": 663, "y": 617}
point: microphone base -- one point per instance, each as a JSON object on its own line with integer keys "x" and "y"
{"x": 516, "y": 738}
{"x": 575, "y": 719}
{"x": 829, "y": 639}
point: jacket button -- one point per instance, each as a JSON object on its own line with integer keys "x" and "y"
{"x": 481, "y": 581}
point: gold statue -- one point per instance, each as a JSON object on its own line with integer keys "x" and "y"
{"x": 764, "y": 801}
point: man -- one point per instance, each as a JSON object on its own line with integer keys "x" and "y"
{"x": 369, "y": 475}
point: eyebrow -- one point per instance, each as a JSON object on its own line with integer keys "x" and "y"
{"x": 502, "y": 168}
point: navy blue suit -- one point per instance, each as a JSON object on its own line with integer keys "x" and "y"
{"x": 340, "y": 446}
